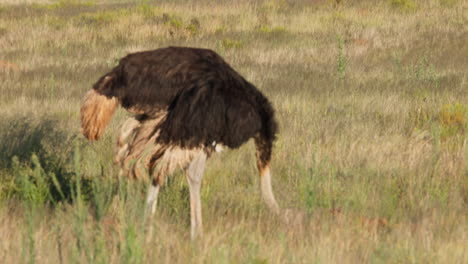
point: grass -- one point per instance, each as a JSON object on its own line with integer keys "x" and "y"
{"x": 371, "y": 97}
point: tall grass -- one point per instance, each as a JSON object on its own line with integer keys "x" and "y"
{"x": 371, "y": 98}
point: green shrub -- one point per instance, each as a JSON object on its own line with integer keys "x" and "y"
{"x": 194, "y": 27}
{"x": 37, "y": 171}
{"x": 221, "y": 30}
{"x": 231, "y": 44}
{"x": 341, "y": 60}
{"x": 453, "y": 120}
{"x": 404, "y": 5}
{"x": 64, "y": 4}
{"x": 38, "y": 186}
{"x": 147, "y": 10}
{"x": 272, "y": 30}
{"x": 172, "y": 21}
{"x": 32, "y": 182}
{"x": 450, "y": 121}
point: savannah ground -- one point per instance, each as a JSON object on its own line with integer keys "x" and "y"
{"x": 372, "y": 102}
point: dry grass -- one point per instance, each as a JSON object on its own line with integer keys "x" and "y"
{"x": 371, "y": 98}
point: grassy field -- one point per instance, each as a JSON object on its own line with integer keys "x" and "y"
{"x": 372, "y": 101}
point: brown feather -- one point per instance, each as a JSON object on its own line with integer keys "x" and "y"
{"x": 96, "y": 112}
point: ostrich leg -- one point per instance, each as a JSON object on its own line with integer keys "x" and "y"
{"x": 264, "y": 147}
{"x": 152, "y": 199}
{"x": 194, "y": 177}
{"x": 267, "y": 192}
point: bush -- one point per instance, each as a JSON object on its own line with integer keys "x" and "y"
{"x": 453, "y": 120}
{"x": 39, "y": 172}
{"x": 231, "y": 44}
{"x": 147, "y": 10}
{"x": 194, "y": 27}
{"x": 64, "y": 4}
{"x": 403, "y": 5}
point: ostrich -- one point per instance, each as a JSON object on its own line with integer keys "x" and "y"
{"x": 187, "y": 104}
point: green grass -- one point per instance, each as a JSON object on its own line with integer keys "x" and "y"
{"x": 371, "y": 98}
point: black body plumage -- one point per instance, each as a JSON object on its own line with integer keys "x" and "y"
{"x": 206, "y": 99}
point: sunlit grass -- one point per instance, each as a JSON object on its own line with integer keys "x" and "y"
{"x": 371, "y": 97}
